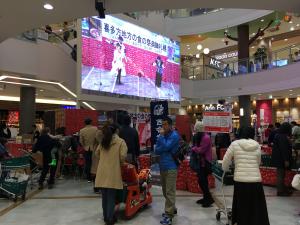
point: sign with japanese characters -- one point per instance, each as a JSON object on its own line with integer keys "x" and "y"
{"x": 159, "y": 110}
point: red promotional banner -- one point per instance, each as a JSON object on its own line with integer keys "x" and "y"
{"x": 218, "y": 122}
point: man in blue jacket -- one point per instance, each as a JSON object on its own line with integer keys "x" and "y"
{"x": 166, "y": 146}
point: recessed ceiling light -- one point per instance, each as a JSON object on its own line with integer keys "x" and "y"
{"x": 41, "y": 90}
{"x": 286, "y": 39}
{"x": 293, "y": 45}
{"x": 48, "y": 6}
{"x": 187, "y": 45}
{"x": 262, "y": 20}
{"x": 291, "y": 94}
{"x": 252, "y": 47}
{"x": 198, "y": 56}
{"x": 199, "y": 47}
{"x": 291, "y": 90}
{"x": 292, "y": 28}
{"x": 298, "y": 25}
{"x": 259, "y": 94}
{"x": 291, "y": 22}
{"x": 206, "y": 51}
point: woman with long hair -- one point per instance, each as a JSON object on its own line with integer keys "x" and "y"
{"x": 249, "y": 204}
{"x": 202, "y": 145}
{"x": 112, "y": 153}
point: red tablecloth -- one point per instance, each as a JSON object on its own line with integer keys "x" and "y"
{"x": 17, "y": 150}
{"x": 269, "y": 176}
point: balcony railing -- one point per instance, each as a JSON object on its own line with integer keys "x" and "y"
{"x": 254, "y": 64}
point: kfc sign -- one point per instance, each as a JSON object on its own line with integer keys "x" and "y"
{"x": 215, "y": 63}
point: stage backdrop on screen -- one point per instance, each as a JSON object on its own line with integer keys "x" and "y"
{"x": 121, "y": 58}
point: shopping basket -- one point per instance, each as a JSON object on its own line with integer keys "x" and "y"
{"x": 10, "y": 185}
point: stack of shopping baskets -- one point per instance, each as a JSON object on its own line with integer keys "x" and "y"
{"x": 13, "y": 179}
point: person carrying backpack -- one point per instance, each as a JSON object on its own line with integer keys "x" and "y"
{"x": 203, "y": 147}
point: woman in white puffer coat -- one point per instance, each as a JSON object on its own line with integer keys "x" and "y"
{"x": 249, "y": 204}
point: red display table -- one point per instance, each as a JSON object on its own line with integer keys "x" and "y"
{"x": 17, "y": 150}
{"x": 269, "y": 176}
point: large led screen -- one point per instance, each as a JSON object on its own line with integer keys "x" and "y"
{"x": 121, "y": 58}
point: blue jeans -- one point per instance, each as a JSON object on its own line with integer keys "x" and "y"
{"x": 108, "y": 203}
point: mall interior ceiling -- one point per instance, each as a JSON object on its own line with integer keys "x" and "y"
{"x": 30, "y": 14}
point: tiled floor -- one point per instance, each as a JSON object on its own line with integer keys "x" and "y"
{"x": 72, "y": 202}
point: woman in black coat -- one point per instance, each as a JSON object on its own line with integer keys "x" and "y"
{"x": 282, "y": 156}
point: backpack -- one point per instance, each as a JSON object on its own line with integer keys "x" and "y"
{"x": 195, "y": 162}
{"x": 180, "y": 154}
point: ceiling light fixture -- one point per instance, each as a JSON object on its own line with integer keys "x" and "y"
{"x": 48, "y": 6}
{"x": 198, "y": 56}
{"x": 8, "y": 82}
{"x": 291, "y": 90}
{"x": 292, "y": 28}
{"x": 206, "y": 51}
{"x": 297, "y": 25}
{"x": 3, "y": 77}
{"x": 252, "y": 47}
{"x": 291, "y": 21}
{"x": 286, "y": 39}
{"x": 88, "y": 105}
{"x": 187, "y": 45}
{"x": 262, "y": 20}
{"x": 199, "y": 47}
{"x": 38, "y": 100}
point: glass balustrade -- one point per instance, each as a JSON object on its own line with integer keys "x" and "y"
{"x": 217, "y": 69}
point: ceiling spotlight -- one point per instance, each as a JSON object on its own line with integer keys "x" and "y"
{"x": 199, "y": 47}
{"x": 41, "y": 90}
{"x": 291, "y": 94}
{"x": 48, "y": 6}
{"x": 252, "y": 47}
{"x": 286, "y": 39}
{"x": 99, "y": 6}
{"x": 262, "y": 20}
{"x": 291, "y": 90}
{"x": 298, "y": 25}
{"x": 259, "y": 94}
{"x": 198, "y": 56}
{"x": 187, "y": 45}
{"x": 292, "y": 28}
{"x": 189, "y": 48}
{"x": 291, "y": 22}
{"x": 206, "y": 51}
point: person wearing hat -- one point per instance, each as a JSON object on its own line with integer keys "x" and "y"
{"x": 88, "y": 140}
{"x": 202, "y": 145}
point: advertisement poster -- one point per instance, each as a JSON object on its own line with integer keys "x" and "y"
{"x": 159, "y": 110}
{"x": 217, "y": 122}
{"x": 141, "y": 122}
{"x": 121, "y": 58}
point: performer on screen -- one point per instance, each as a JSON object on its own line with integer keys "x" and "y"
{"x": 118, "y": 62}
{"x": 159, "y": 71}
{"x": 120, "y": 42}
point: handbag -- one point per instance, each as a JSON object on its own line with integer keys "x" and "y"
{"x": 296, "y": 182}
{"x": 195, "y": 162}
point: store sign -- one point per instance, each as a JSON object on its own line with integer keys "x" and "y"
{"x": 217, "y": 118}
{"x": 227, "y": 55}
{"x": 159, "y": 110}
{"x": 218, "y": 107}
{"x": 215, "y": 63}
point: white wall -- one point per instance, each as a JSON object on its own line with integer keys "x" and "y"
{"x": 197, "y": 24}
{"x": 42, "y": 60}
{"x": 263, "y": 82}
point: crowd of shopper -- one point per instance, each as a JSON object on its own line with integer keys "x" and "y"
{"x": 107, "y": 148}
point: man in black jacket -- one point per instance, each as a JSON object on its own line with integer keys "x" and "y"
{"x": 282, "y": 156}
{"x": 131, "y": 137}
{"x": 45, "y": 144}
{"x": 273, "y": 134}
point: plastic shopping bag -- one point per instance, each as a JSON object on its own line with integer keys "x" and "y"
{"x": 296, "y": 182}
